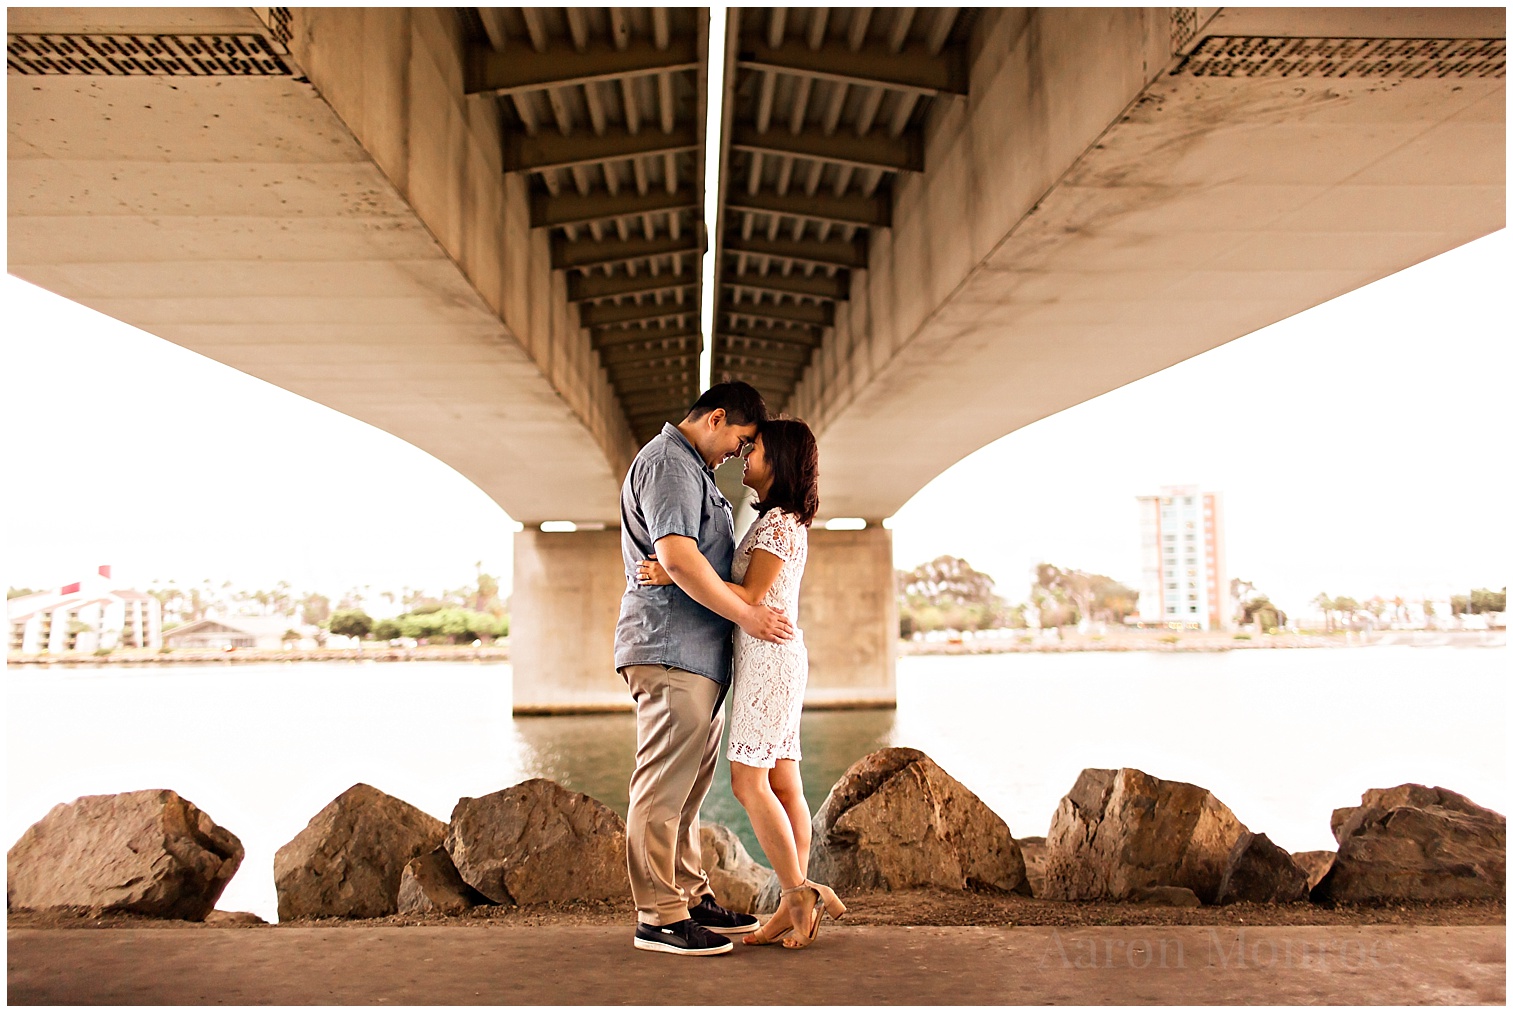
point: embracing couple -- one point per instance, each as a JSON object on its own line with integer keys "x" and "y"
{"x": 699, "y": 613}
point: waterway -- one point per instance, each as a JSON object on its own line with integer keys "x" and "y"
{"x": 1282, "y": 737}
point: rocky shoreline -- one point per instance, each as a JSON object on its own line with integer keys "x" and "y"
{"x": 1201, "y": 643}
{"x": 901, "y": 839}
{"x": 141, "y": 659}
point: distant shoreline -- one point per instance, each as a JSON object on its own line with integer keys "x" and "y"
{"x": 1186, "y": 643}
{"x": 1189, "y": 643}
{"x": 138, "y": 659}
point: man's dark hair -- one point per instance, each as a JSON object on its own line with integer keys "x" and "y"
{"x": 742, "y": 402}
{"x": 794, "y": 458}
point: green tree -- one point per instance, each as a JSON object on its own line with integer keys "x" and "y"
{"x": 486, "y": 597}
{"x": 350, "y": 623}
{"x": 386, "y": 629}
{"x": 1075, "y": 595}
{"x": 1325, "y": 604}
{"x": 281, "y": 599}
{"x": 1259, "y": 609}
{"x": 1255, "y": 607}
{"x": 314, "y": 609}
{"x": 1479, "y": 601}
{"x": 947, "y": 593}
{"x": 1240, "y": 591}
{"x": 18, "y": 592}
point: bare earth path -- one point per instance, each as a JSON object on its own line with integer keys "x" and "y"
{"x": 882, "y": 964}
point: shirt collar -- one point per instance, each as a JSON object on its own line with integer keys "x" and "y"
{"x": 674, "y": 433}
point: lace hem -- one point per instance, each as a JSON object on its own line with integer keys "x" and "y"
{"x": 763, "y": 754}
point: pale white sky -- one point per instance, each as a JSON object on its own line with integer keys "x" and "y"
{"x": 1360, "y": 448}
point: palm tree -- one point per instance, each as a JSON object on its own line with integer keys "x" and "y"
{"x": 1326, "y": 606}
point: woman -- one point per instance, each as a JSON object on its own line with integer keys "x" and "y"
{"x": 767, "y": 694}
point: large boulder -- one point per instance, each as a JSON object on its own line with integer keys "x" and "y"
{"x": 1314, "y": 864}
{"x": 1163, "y": 896}
{"x": 233, "y": 918}
{"x": 430, "y": 885}
{"x": 895, "y": 821}
{"x": 1415, "y": 843}
{"x": 735, "y": 877}
{"x": 1120, "y": 830}
{"x": 348, "y": 861}
{"x": 1033, "y": 850}
{"x": 147, "y": 852}
{"x": 1262, "y": 873}
{"x": 538, "y": 843}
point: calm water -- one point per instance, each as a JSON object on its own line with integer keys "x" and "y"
{"x": 1282, "y": 737}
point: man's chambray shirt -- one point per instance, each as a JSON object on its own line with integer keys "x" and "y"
{"x": 671, "y": 491}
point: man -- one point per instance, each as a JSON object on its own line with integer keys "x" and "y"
{"x": 672, "y": 647}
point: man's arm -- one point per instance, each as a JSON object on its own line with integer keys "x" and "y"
{"x": 686, "y": 565}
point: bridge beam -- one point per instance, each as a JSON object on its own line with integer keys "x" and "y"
{"x": 569, "y": 208}
{"x": 551, "y": 150}
{"x": 561, "y": 64}
{"x": 600, "y": 286}
{"x": 821, "y": 286}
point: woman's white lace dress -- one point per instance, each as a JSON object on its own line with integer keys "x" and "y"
{"x": 767, "y": 691}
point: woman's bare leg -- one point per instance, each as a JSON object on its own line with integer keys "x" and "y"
{"x": 769, "y": 819}
{"x": 788, "y": 786}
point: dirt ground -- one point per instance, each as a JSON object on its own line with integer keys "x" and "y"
{"x": 908, "y": 907}
{"x": 474, "y": 962}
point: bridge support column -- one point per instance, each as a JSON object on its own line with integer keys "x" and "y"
{"x": 849, "y": 612}
{"x": 563, "y": 609}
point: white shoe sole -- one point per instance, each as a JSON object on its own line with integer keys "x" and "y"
{"x": 735, "y": 931}
{"x": 656, "y": 947}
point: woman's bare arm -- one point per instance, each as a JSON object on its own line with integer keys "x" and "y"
{"x": 680, "y": 557}
{"x": 760, "y": 575}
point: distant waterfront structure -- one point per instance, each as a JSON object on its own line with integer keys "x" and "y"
{"x": 262, "y": 633}
{"x": 86, "y": 616}
{"x": 1183, "y": 577}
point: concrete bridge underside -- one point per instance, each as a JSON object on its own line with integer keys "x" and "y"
{"x": 480, "y": 229}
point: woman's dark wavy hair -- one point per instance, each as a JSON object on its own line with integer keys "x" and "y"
{"x": 794, "y": 458}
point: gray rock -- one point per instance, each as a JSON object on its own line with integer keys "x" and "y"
{"x": 1314, "y": 864}
{"x": 1163, "y": 896}
{"x": 232, "y": 918}
{"x": 734, "y": 875}
{"x": 1117, "y": 831}
{"x": 896, "y": 821}
{"x": 1033, "y": 849}
{"x": 1262, "y": 873}
{"x": 430, "y": 884}
{"x": 538, "y": 843}
{"x": 1416, "y": 843}
{"x": 149, "y": 852}
{"x": 348, "y": 860}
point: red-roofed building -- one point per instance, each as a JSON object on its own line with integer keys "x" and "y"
{"x": 84, "y": 616}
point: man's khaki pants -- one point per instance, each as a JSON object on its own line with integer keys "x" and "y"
{"x": 677, "y": 741}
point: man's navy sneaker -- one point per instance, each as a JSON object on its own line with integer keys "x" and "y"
{"x": 708, "y": 913}
{"x": 686, "y": 937}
